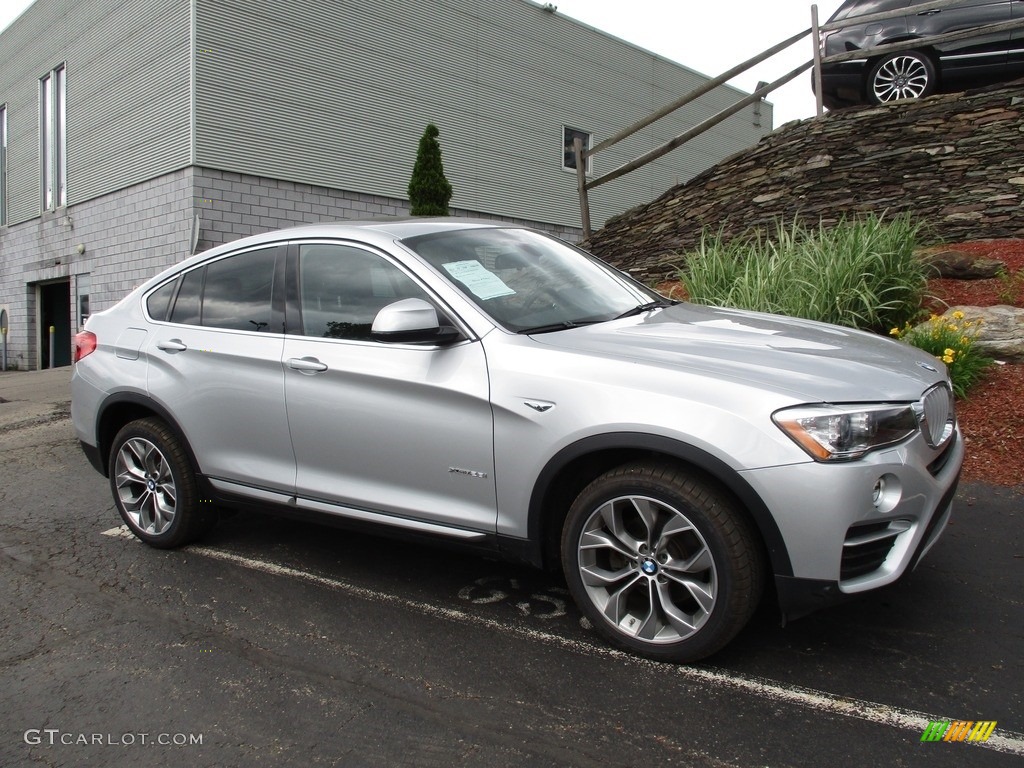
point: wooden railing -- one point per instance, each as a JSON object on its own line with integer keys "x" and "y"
{"x": 815, "y": 31}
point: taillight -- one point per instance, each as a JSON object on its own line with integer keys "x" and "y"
{"x": 85, "y": 344}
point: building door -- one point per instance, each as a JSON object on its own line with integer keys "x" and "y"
{"x": 55, "y": 311}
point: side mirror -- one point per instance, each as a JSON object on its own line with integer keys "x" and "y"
{"x": 411, "y": 321}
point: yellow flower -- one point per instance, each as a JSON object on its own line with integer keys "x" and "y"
{"x": 948, "y": 356}
{"x": 958, "y": 315}
{"x": 894, "y": 332}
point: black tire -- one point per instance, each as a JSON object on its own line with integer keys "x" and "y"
{"x": 661, "y": 563}
{"x": 902, "y": 75}
{"x": 154, "y": 485}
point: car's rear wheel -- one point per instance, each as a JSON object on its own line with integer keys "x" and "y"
{"x": 902, "y": 75}
{"x": 661, "y": 562}
{"x": 154, "y": 486}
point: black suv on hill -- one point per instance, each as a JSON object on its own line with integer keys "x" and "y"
{"x": 921, "y": 71}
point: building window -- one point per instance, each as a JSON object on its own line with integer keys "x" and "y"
{"x": 568, "y": 152}
{"x": 53, "y": 138}
{"x": 3, "y": 165}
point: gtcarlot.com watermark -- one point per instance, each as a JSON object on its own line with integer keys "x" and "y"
{"x": 55, "y": 736}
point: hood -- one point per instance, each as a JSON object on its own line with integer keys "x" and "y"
{"x": 813, "y": 362}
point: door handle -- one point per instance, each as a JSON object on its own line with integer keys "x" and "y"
{"x": 931, "y": 12}
{"x": 307, "y": 365}
{"x": 172, "y": 345}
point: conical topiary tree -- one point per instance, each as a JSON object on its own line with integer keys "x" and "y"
{"x": 429, "y": 190}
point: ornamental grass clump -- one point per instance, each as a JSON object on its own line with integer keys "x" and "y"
{"x": 1011, "y": 287}
{"x": 951, "y": 339}
{"x": 859, "y": 273}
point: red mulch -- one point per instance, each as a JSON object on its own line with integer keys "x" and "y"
{"x": 992, "y": 417}
{"x": 992, "y": 422}
{"x": 983, "y": 293}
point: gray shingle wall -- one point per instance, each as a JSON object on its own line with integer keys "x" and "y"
{"x": 338, "y": 95}
{"x": 331, "y": 96}
{"x": 128, "y": 94}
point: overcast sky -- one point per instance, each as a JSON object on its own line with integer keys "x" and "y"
{"x": 10, "y": 9}
{"x": 707, "y": 37}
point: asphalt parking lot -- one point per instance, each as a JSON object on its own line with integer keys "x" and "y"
{"x": 274, "y": 642}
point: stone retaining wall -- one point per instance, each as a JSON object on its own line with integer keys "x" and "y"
{"x": 954, "y": 161}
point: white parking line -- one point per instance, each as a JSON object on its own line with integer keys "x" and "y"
{"x": 1007, "y": 742}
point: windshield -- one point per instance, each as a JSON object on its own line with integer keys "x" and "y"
{"x": 529, "y": 282}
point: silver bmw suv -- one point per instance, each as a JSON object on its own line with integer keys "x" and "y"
{"x": 490, "y": 385}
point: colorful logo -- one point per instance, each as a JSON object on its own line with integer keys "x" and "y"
{"x": 958, "y": 730}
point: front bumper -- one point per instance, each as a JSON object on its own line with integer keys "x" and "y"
{"x": 799, "y": 597}
{"x": 840, "y": 538}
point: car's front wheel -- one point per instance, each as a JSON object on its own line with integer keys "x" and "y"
{"x": 902, "y": 75}
{"x": 661, "y": 562}
{"x": 154, "y": 486}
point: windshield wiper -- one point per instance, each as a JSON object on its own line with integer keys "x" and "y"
{"x": 567, "y": 324}
{"x": 641, "y": 308}
{"x": 562, "y": 326}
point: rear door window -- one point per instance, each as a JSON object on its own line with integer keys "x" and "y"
{"x": 238, "y": 291}
{"x": 233, "y": 293}
{"x": 159, "y": 301}
{"x": 186, "y": 306}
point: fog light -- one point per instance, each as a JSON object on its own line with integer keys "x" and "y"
{"x": 887, "y": 493}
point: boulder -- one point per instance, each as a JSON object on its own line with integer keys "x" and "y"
{"x": 962, "y": 266}
{"x": 1002, "y": 330}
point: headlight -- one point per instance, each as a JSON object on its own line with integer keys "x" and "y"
{"x": 841, "y": 433}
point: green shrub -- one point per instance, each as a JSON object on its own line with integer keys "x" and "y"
{"x": 860, "y": 273}
{"x": 429, "y": 190}
{"x": 950, "y": 339}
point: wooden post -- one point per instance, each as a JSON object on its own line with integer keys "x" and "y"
{"x": 815, "y": 44}
{"x": 581, "y": 185}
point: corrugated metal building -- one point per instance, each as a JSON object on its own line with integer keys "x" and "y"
{"x": 136, "y": 131}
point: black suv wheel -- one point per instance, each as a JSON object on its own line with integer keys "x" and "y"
{"x": 903, "y": 75}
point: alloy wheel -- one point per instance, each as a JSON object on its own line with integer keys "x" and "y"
{"x": 145, "y": 486}
{"x": 647, "y": 569}
{"x": 901, "y": 77}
